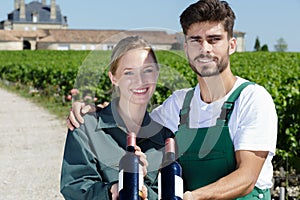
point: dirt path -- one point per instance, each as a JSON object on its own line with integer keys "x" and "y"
{"x": 31, "y": 149}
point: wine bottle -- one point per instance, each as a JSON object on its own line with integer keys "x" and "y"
{"x": 170, "y": 183}
{"x": 130, "y": 172}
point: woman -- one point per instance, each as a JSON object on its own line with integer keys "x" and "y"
{"x": 92, "y": 151}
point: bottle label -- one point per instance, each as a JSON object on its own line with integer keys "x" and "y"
{"x": 141, "y": 177}
{"x": 121, "y": 179}
{"x": 159, "y": 185}
{"x": 178, "y": 186}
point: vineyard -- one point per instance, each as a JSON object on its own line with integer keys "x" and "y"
{"x": 54, "y": 75}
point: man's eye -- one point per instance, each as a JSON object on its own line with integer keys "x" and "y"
{"x": 214, "y": 40}
{"x": 194, "y": 40}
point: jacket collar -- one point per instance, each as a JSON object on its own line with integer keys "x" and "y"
{"x": 109, "y": 117}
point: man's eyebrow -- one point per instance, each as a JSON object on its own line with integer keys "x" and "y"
{"x": 194, "y": 37}
{"x": 199, "y": 37}
{"x": 215, "y": 35}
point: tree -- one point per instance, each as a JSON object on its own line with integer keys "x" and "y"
{"x": 264, "y": 48}
{"x": 281, "y": 45}
{"x": 257, "y": 44}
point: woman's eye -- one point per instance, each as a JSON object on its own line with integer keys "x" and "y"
{"x": 128, "y": 73}
{"x": 149, "y": 70}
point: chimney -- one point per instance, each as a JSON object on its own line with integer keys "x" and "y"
{"x": 53, "y": 10}
{"x": 22, "y": 9}
{"x": 44, "y": 2}
{"x": 17, "y": 4}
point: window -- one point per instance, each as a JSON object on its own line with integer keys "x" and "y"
{"x": 34, "y": 16}
{"x": 63, "y": 47}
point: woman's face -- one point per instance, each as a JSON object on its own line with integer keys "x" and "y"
{"x": 136, "y": 76}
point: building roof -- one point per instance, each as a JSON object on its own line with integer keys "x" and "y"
{"x": 77, "y": 36}
{"x": 153, "y": 37}
{"x": 43, "y": 13}
{"x": 87, "y": 36}
{"x": 28, "y": 34}
{"x": 105, "y": 36}
{"x": 6, "y": 36}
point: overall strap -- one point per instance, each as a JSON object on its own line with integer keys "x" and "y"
{"x": 185, "y": 110}
{"x": 228, "y": 105}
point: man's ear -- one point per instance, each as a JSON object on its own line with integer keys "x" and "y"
{"x": 185, "y": 48}
{"x": 232, "y": 45}
{"x": 112, "y": 79}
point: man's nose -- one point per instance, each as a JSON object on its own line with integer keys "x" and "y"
{"x": 206, "y": 46}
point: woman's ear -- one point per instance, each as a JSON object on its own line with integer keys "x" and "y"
{"x": 112, "y": 79}
{"x": 232, "y": 45}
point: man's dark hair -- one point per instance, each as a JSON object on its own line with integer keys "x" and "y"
{"x": 208, "y": 11}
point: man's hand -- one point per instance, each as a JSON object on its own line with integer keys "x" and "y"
{"x": 77, "y": 111}
{"x": 188, "y": 195}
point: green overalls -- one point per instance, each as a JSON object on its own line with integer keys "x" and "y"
{"x": 207, "y": 154}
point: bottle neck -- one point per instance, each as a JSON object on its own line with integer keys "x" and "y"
{"x": 170, "y": 157}
{"x": 170, "y": 150}
{"x": 131, "y": 142}
{"x": 130, "y": 149}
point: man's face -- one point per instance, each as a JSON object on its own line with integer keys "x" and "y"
{"x": 208, "y": 48}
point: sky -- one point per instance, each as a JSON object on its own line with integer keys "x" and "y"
{"x": 269, "y": 20}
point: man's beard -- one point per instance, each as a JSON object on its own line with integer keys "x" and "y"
{"x": 221, "y": 65}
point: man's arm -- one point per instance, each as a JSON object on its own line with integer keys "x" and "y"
{"x": 170, "y": 107}
{"x": 78, "y": 110}
{"x": 238, "y": 183}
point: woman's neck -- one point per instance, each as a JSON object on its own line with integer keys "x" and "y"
{"x": 132, "y": 115}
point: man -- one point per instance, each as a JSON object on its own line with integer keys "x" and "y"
{"x": 225, "y": 149}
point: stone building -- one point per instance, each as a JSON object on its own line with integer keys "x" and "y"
{"x": 34, "y": 16}
{"x": 240, "y": 40}
{"x": 70, "y": 39}
{"x": 37, "y": 25}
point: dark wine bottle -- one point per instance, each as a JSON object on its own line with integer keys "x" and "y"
{"x": 130, "y": 172}
{"x": 170, "y": 183}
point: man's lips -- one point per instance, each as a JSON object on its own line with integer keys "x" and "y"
{"x": 204, "y": 60}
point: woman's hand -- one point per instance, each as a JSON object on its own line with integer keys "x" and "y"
{"x": 115, "y": 192}
{"x": 144, "y": 193}
{"x": 143, "y": 159}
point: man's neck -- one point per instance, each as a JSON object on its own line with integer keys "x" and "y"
{"x": 215, "y": 87}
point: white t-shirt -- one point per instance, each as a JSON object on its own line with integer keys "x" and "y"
{"x": 252, "y": 125}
